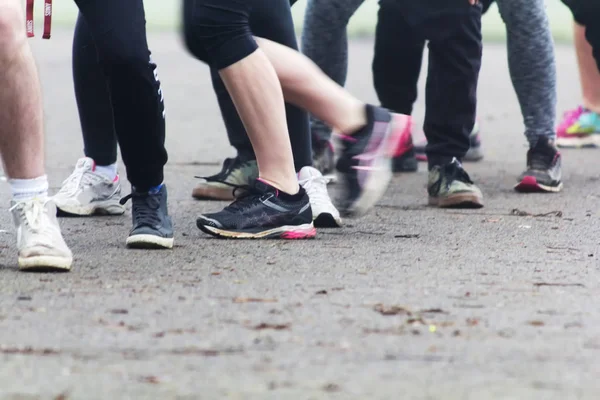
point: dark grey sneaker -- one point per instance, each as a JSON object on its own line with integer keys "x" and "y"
{"x": 152, "y": 227}
{"x": 544, "y": 169}
{"x": 451, "y": 187}
{"x": 324, "y": 159}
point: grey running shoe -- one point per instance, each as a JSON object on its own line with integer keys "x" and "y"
{"x": 544, "y": 170}
{"x": 86, "y": 192}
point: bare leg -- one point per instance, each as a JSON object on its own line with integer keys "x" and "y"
{"x": 254, "y": 78}
{"x": 305, "y": 85}
{"x": 21, "y": 128}
{"x": 588, "y": 70}
{"x": 39, "y": 241}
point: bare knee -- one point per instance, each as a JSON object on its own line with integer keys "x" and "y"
{"x": 12, "y": 28}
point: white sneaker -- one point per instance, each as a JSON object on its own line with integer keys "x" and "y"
{"x": 87, "y": 192}
{"x": 39, "y": 241}
{"x": 325, "y": 215}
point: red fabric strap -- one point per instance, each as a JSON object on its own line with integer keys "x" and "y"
{"x": 29, "y": 15}
{"x": 47, "y": 18}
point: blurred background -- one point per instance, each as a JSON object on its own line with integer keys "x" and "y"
{"x": 164, "y": 15}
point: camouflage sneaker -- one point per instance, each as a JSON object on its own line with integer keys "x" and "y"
{"x": 220, "y": 186}
{"x": 451, "y": 187}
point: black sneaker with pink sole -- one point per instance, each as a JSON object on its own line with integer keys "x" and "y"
{"x": 365, "y": 165}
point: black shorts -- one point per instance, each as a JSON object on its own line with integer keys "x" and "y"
{"x": 587, "y": 13}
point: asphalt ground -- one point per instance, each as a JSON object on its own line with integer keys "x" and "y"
{"x": 409, "y": 302}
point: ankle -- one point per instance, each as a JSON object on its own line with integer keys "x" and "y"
{"x": 357, "y": 120}
{"x": 592, "y": 104}
{"x": 28, "y": 189}
{"x": 439, "y": 161}
{"x": 288, "y": 186}
{"x": 109, "y": 171}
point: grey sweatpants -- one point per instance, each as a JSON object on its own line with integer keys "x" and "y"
{"x": 530, "y": 56}
{"x": 324, "y": 41}
{"x": 532, "y": 64}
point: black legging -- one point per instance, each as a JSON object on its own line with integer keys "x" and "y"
{"x": 115, "y": 61}
{"x": 95, "y": 104}
{"x": 220, "y": 33}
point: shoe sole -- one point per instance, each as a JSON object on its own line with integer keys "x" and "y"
{"x": 94, "y": 209}
{"x": 380, "y": 176}
{"x": 45, "y": 264}
{"x": 462, "y": 200}
{"x": 149, "y": 242}
{"x": 306, "y": 231}
{"x": 591, "y": 141}
{"x": 326, "y": 220}
{"x": 529, "y": 184}
{"x": 215, "y": 194}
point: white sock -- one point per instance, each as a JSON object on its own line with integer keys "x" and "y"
{"x": 109, "y": 171}
{"x": 28, "y": 189}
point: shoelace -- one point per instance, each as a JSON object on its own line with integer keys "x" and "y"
{"x": 246, "y": 196}
{"x": 32, "y": 213}
{"x": 72, "y": 184}
{"x": 316, "y": 188}
{"x": 454, "y": 171}
{"x": 144, "y": 207}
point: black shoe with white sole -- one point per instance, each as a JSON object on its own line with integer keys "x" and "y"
{"x": 262, "y": 212}
{"x": 365, "y": 165}
{"x": 152, "y": 226}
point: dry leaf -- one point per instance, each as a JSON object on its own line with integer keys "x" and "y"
{"x": 539, "y": 284}
{"x": 408, "y": 236}
{"x": 277, "y": 327}
{"x": 253, "y": 300}
{"x": 519, "y": 213}
{"x": 150, "y": 379}
{"x": 391, "y": 310}
{"x": 434, "y": 311}
{"x": 332, "y": 387}
{"x": 536, "y": 323}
